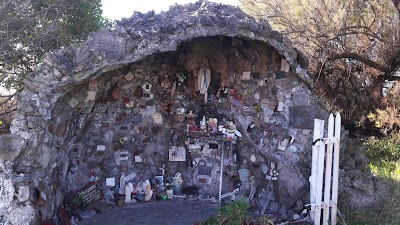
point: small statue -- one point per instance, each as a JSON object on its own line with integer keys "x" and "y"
{"x": 92, "y": 175}
{"x": 203, "y": 124}
{"x": 231, "y": 127}
{"x": 128, "y": 192}
{"x": 222, "y": 92}
{"x": 177, "y": 182}
{"x": 148, "y": 192}
{"x": 231, "y": 133}
{"x": 122, "y": 182}
{"x": 191, "y": 120}
{"x": 213, "y": 124}
{"x": 204, "y": 78}
{"x": 165, "y": 82}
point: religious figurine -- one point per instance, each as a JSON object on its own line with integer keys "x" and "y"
{"x": 231, "y": 133}
{"x": 128, "y": 192}
{"x": 122, "y": 182}
{"x": 165, "y": 82}
{"x": 92, "y": 176}
{"x": 128, "y": 102}
{"x": 204, "y": 78}
{"x": 222, "y": 92}
{"x": 203, "y": 124}
{"x": 148, "y": 192}
{"x": 212, "y": 124}
{"x": 180, "y": 79}
{"x": 191, "y": 120}
{"x": 177, "y": 182}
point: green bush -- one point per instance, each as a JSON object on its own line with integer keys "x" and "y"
{"x": 235, "y": 213}
{"x": 384, "y": 155}
{"x": 386, "y": 149}
{"x": 230, "y": 214}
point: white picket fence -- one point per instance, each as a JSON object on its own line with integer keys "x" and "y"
{"x": 324, "y": 192}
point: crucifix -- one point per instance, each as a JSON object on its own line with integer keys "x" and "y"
{"x": 162, "y": 169}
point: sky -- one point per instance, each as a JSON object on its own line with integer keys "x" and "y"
{"x": 117, "y": 9}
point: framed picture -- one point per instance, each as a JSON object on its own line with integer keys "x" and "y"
{"x": 177, "y": 153}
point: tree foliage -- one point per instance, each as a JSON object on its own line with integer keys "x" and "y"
{"x": 353, "y": 47}
{"x": 30, "y": 28}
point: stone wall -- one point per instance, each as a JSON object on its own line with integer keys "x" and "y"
{"x": 76, "y": 100}
{"x": 280, "y": 108}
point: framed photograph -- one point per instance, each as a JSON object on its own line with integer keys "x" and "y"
{"x": 177, "y": 154}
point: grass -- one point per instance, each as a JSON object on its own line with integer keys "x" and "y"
{"x": 384, "y": 155}
{"x": 235, "y": 213}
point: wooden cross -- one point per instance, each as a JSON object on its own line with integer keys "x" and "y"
{"x": 268, "y": 198}
{"x": 162, "y": 169}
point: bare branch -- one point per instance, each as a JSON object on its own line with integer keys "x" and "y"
{"x": 4, "y": 7}
{"x": 5, "y": 101}
{"x": 350, "y": 55}
{"x": 352, "y": 32}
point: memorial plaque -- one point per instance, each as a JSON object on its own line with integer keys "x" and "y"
{"x": 205, "y": 170}
{"x": 246, "y": 76}
{"x": 177, "y": 154}
{"x": 129, "y": 76}
{"x": 90, "y": 193}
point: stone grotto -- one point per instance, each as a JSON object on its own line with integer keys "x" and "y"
{"x": 161, "y": 97}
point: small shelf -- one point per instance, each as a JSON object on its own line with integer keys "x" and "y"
{"x": 205, "y": 137}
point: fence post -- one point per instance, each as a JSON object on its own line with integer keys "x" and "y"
{"x": 335, "y": 175}
{"x": 330, "y": 185}
{"x": 316, "y": 170}
{"x": 328, "y": 172}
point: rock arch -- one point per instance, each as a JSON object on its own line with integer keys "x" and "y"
{"x": 46, "y": 120}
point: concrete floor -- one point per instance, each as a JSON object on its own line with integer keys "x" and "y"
{"x": 175, "y": 212}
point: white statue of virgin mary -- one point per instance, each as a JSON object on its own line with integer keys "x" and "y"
{"x": 204, "y": 78}
{"x": 122, "y": 183}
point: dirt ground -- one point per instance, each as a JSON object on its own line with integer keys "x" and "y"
{"x": 173, "y": 212}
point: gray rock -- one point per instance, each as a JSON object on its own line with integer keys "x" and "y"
{"x": 23, "y": 214}
{"x": 23, "y": 193}
{"x": 296, "y": 217}
{"x": 290, "y": 213}
{"x": 301, "y": 99}
{"x": 302, "y": 117}
{"x": 283, "y": 213}
{"x": 102, "y": 206}
{"x": 273, "y": 207}
{"x": 11, "y": 147}
{"x": 86, "y": 214}
{"x": 264, "y": 168}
